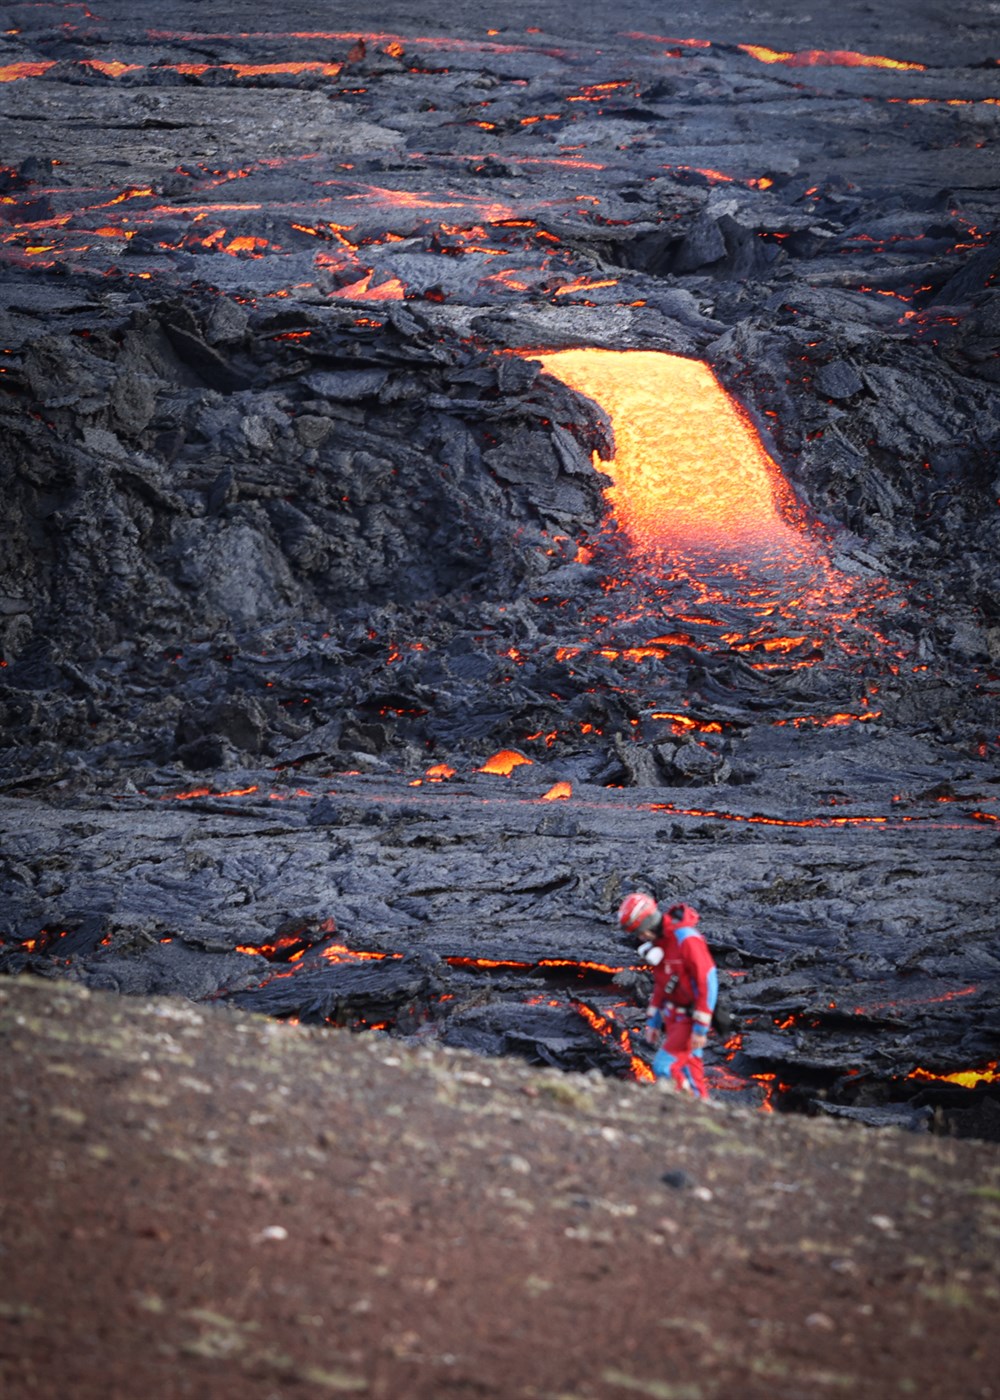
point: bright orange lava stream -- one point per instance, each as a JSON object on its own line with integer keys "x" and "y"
{"x": 689, "y": 469}
{"x": 828, "y": 58}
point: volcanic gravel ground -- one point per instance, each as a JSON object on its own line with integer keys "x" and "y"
{"x": 293, "y": 549}
{"x": 200, "y": 1203}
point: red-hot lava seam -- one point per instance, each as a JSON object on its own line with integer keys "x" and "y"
{"x": 581, "y": 967}
{"x": 206, "y": 792}
{"x": 720, "y": 1077}
{"x": 938, "y": 1000}
{"x": 292, "y": 947}
{"x": 440, "y": 772}
{"x": 608, "y": 1029}
{"x": 289, "y": 948}
{"x": 11, "y": 72}
{"x": 828, "y": 721}
{"x": 759, "y": 818}
{"x": 965, "y": 1078}
{"x": 827, "y": 58}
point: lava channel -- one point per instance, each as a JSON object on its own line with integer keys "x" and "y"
{"x": 689, "y": 469}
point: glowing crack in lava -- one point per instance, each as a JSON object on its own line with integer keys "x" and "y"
{"x": 689, "y": 470}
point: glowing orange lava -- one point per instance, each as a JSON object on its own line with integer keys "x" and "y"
{"x": 112, "y": 69}
{"x": 828, "y": 58}
{"x": 206, "y": 792}
{"x": 362, "y": 290}
{"x": 584, "y": 284}
{"x": 607, "y": 1029}
{"x": 557, "y": 792}
{"x": 967, "y": 1078}
{"x": 10, "y": 72}
{"x": 339, "y": 952}
{"x": 504, "y": 762}
{"x": 689, "y": 468}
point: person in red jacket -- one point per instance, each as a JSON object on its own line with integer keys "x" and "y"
{"x": 685, "y": 987}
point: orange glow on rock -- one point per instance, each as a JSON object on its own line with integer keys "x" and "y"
{"x": 339, "y": 952}
{"x": 769, "y": 1083}
{"x": 206, "y": 792}
{"x": 245, "y": 243}
{"x": 558, "y": 792}
{"x": 689, "y": 468}
{"x": 758, "y": 818}
{"x": 607, "y": 1029}
{"x": 504, "y": 762}
{"x": 684, "y": 724}
{"x": 112, "y": 69}
{"x": 584, "y": 284}
{"x": 254, "y": 70}
{"x": 828, "y": 721}
{"x": 292, "y": 947}
{"x": 439, "y": 772}
{"x": 10, "y": 72}
{"x": 362, "y": 290}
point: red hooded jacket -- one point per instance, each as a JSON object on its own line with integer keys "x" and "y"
{"x": 686, "y": 978}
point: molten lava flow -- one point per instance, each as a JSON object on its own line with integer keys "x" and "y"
{"x": 607, "y": 1028}
{"x": 504, "y": 762}
{"x": 662, "y": 39}
{"x": 828, "y": 58}
{"x": 287, "y": 948}
{"x": 340, "y": 953}
{"x": 684, "y": 724}
{"x": 206, "y": 792}
{"x": 558, "y": 792}
{"x": 580, "y": 968}
{"x": 362, "y": 290}
{"x": 584, "y": 284}
{"x": 758, "y": 818}
{"x": 689, "y": 469}
{"x": 828, "y": 721}
{"x": 967, "y": 1078}
{"x": 10, "y": 72}
{"x": 112, "y": 69}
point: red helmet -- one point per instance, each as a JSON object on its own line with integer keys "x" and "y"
{"x": 681, "y": 916}
{"x": 635, "y": 910}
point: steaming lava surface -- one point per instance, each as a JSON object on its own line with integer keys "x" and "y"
{"x": 454, "y": 474}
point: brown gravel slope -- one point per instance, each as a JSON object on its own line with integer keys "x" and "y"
{"x": 201, "y": 1203}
